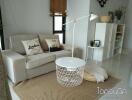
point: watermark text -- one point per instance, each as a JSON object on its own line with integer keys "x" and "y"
{"x": 115, "y": 91}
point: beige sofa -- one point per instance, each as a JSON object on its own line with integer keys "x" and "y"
{"x": 21, "y": 67}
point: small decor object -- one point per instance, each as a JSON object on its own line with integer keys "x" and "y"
{"x": 32, "y": 47}
{"x": 102, "y": 2}
{"x": 95, "y": 43}
{"x": 105, "y": 19}
{"x": 91, "y": 43}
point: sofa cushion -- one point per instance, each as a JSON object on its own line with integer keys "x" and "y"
{"x": 32, "y": 47}
{"x": 39, "y": 59}
{"x": 53, "y": 43}
{"x": 16, "y": 44}
{"x": 62, "y": 53}
{"x": 43, "y": 43}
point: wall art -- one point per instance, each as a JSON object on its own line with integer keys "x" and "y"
{"x": 102, "y": 2}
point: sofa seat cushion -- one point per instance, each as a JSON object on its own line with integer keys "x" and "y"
{"x": 39, "y": 59}
{"x": 62, "y": 53}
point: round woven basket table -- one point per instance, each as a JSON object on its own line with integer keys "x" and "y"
{"x": 69, "y": 71}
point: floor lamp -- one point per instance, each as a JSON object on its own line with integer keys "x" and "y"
{"x": 91, "y": 18}
{"x": 70, "y": 70}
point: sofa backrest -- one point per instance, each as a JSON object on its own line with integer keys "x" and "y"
{"x": 42, "y": 38}
{"x": 16, "y": 42}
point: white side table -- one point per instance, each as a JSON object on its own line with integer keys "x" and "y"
{"x": 93, "y": 51}
{"x": 69, "y": 71}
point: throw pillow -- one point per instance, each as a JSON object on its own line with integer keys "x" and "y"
{"x": 32, "y": 47}
{"x": 53, "y": 42}
{"x": 44, "y": 36}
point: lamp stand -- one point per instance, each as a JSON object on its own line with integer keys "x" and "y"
{"x": 73, "y": 38}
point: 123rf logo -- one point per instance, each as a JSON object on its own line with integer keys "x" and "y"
{"x": 115, "y": 91}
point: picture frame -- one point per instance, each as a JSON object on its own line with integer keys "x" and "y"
{"x": 97, "y": 43}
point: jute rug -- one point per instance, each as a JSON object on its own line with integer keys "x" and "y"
{"x": 45, "y": 87}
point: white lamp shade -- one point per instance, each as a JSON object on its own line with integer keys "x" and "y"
{"x": 93, "y": 17}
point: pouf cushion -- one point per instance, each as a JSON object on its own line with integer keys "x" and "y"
{"x": 95, "y": 74}
{"x": 89, "y": 77}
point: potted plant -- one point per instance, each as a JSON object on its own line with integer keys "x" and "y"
{"x": 118, "y": 14}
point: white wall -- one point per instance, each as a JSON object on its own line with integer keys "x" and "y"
{"x": 128, "y": 32}
{"x": 111, "y": 5}
{"x": 30, "y": 16}
{"x": 76, "y": 9}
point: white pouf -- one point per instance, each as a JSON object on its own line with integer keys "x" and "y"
{"x": 95, "y": 74}
{"x": 69, "y": 71}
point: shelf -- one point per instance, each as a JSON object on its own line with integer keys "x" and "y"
{"x": 117, "y": 48}
{"x": 117, "y": 51}
{"x": 120, "y": 29}
{"x": 94, "y": 47}
{"x": 119, "y": 32}
{"x": 118, "y": 36}
{"x": 118, "y": 41}
{"x": 115, "y": 34}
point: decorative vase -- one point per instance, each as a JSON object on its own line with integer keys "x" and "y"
{"x": 91, "y": 43}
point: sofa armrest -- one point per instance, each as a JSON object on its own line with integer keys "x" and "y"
{"x": 15, "y": 65}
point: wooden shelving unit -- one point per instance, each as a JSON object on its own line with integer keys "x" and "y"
{"x": 111, "y": 36}
{"x": 119, "y": 36}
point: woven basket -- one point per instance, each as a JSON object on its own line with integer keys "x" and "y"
{"x": 105, "y": 19}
